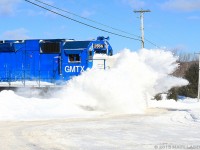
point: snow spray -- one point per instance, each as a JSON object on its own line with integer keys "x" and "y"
{"x": 124, "y": 88}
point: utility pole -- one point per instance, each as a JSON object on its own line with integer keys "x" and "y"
{"x": 199, "y": 79}
{"x": 142, "y": 23}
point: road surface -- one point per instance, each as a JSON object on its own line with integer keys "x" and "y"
{"x": 157, "y": 129}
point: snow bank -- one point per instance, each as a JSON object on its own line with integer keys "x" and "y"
{"x": 187, "y": 104}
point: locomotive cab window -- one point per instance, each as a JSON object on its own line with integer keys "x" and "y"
{"x": 74, "y": 58}
{"x": 90, "y": 55}
{"x": 50, "y": 47}
{"x": 101, "y": 51}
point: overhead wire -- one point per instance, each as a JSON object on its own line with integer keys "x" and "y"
{"x": 152, "y": 43}
{"x": 81, "y": 22}
{"x": 87, "y": 19}
{"x": 90, "y": 21}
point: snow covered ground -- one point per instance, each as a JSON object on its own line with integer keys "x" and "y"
{"x": 108, "y": 110}
{"x": 165, "y": 125}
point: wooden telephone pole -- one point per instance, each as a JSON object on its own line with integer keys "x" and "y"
{"x": 142, "y": 23}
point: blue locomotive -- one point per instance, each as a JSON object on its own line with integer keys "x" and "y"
{"x": 47, "y": 62}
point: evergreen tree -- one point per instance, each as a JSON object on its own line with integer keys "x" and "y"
{"x": 192, "y": 74}
{"x": 173, "y": 94}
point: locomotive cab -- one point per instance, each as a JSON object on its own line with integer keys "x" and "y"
{"x": 102, "y": 46}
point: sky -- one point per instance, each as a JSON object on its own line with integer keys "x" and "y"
{"x": 171, "y": 24}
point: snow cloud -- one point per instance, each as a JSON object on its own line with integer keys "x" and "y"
{"x": 7, "y": 7}
{"x": 181, "y": 5}
{"x": 17, "y": 34}
{"x": 135, "y": 4}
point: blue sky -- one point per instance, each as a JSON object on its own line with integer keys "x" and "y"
{"x": 171, "y": 24}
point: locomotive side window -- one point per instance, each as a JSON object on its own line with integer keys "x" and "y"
{"x": 50, "y": 47}
{"x": 74, "y": 58}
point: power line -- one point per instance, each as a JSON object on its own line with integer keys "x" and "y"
{"x": 87, "y": 19}
{"x": 90, "y": 21}
{"x": 82, "y": 22}
{"x": 152, "y": 43}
